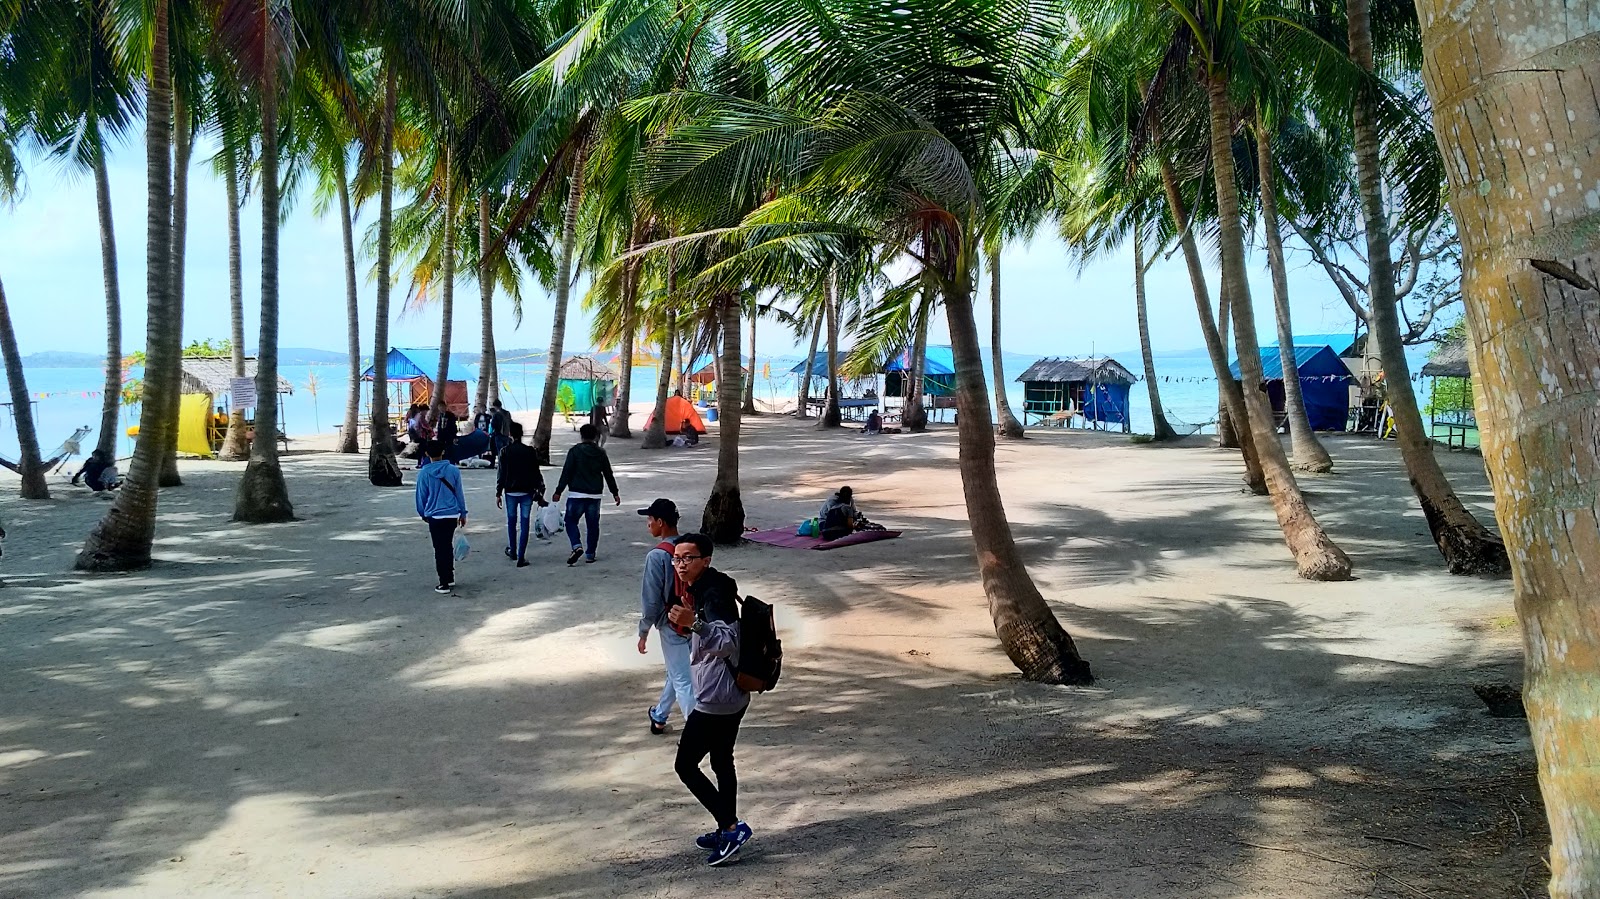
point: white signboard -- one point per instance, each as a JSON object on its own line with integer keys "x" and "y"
{"x": 244, "y": 393}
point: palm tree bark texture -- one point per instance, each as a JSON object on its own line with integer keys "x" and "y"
{"x": 32, "y": 468}
{"x": 121, "y": 541}
{"x": 655, "y": 435}
{"x": 1009, "y": 428}
{"x": 235, "y": 446}
{"x": 182, "y": 149}
{"x": 1467, "y": 546}
{"x": 349, "y": 439}
{"x": 1519, "y": 126}
{"x": 1161, "y": 429}
{"x": 383, "y": 470}
{"x": 723, "y": 519}
{"x": 1316, "y": 556}
{"x": 558, "y": 329}
{"x": 111, "y": 398}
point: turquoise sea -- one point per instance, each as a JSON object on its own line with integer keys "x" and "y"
{"x": 66, "y": 398}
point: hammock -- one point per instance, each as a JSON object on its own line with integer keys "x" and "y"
{"x": 68, "y": 448}
{"x": 1185, "y": 428}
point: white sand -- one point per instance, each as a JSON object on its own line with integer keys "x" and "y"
{"x": 289, "y": 710}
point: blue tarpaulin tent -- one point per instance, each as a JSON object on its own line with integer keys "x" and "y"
{"x": 819, "y": 363}
{"x": 415, "y": 363}
{"x": 1324, "y": 383}
{"x": 938, "y": 370}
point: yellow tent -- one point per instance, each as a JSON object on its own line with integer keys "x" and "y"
{"x": 194, "y": 413}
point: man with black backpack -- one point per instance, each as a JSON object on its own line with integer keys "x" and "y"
{"x": 708, "y": 608}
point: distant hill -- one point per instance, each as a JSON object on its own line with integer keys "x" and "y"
{"x": 64, "y": 360}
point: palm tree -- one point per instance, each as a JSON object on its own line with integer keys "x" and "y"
{"x": 123, "y": 538}
{"x": 183, "y": 128}
{"x": 723, "y": 518}
{"x": 231, "y": 166}
{"x": 1309, "y": 453}
{"x": 1467, "y": 545}
{"x": 30, "y": 465}
{"x": 382, "y": 468}
{"x": 802, "y": 407}
{"x": 1161, "y": 429}
{"x": 1530, "y": 296}
{"x": 1010, "y": 428}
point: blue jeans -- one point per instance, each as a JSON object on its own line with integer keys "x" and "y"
{"x": 589, "y": 509}
{"x": 518, "y": 508}
{"x": 675, "y": 650}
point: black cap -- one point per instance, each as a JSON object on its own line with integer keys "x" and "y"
{"x": 664, "y": 509}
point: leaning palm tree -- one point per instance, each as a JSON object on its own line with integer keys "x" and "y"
{"x": 1530, "y": 295}
{"x": 29, "y": 464}
{"x": 123, "y": 538}
{"x": 892, "y": 148}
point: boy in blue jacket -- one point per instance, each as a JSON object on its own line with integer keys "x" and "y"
{"x": 443, "y": 505}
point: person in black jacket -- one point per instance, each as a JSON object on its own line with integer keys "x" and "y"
{"x": 587, "y": 466}
{"x": 521, "y": 485}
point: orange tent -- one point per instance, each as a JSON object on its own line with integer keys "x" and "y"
{"x": 678, "y": 410}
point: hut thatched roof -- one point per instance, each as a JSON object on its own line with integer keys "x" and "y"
{"x": 1087, "y": 369}
{"x": 215, "y": 375}
{"x": 1448, "y": 361}
{"x": 586, "y": 368}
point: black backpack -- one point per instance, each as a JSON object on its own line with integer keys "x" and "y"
{"x": 760, "y": 650}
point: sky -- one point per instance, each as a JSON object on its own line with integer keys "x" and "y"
{"x": 50, "y": 266}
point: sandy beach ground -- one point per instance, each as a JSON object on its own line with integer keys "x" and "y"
{"x": 290, "y": 711}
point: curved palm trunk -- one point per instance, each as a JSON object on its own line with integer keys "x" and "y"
{"x": 831, "y": 417}
{"x": 1468, "y": 547}
{"x": 749, "y": 403}
{"x": 30, "y": 463}
{"x": 1010, "y": 428}
{"x": 1158, "y": 416}
{"x": 383, "y": 470}
{"x": 558, "y": 330}
{"x": 802, "y": 409}
{"x": 486, "y": 367}
{"x": 348, "y": 436}
{"x": 263, "y": 496}
{"x": 121, "y": 541}
{"x": 183, "y": 145}
{"x": 723, "y": 520}
{"x": 913, "y": 417}
{"x": 655, "y": 436}
{"x": 441, "y": 382}
{"x": 1316, "y": 556}
{"x": 111, "y": 398}
{"x": 1229, "y": 390}
{"x": 1028, "y": 630}
{"x": 1530, "y": 300}
{"x": 1309, "y": 453}
{"x": 235, "y": 445}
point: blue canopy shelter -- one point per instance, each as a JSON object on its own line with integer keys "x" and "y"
{"x": 856, "y": 393}
{"x": 1324, "y": 383}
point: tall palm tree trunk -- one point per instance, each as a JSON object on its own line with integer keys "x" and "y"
{"x": 263, "y": 496}
{"x": 183, "y": 145}
{"x": 1309, "y": 453}
{"x": 1316, "y": 556}
{"x": 831, "y": 416}
{"x": 1530, "y": 292}
{"x": 1028, "y": 630}
{"x": 235, "y": 445}
{"x": 913, "y": 417}
{"x": 383, "y": 470}
{"x": 748, "y": 406}
{"x": 1467, "y": 546}
{"x": 486, "y": 373}
{"x": 122, "y": 539}
{"x": 1229, "y": 390}
{"x": 30, "y": 463}
{"x": 655, "y": 434}
{"x": 621, "y": 427}
{"x": 1158, "y": 415}
{"x": 558, "y": 330}
{"x": 1010, "y": 428}
{"x": 723, "y": 520}
{"x": 802, "y": 408}
{"x": 441, "y": 382}
{"x": 348, "y": 436}
{"x": 111, "y": 397}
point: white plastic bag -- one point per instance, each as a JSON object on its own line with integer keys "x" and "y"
{"x": 462, "y": 547}
{"x": 547, "y": 523}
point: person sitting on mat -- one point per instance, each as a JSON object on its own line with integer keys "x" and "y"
{"x": 839, "y": 516}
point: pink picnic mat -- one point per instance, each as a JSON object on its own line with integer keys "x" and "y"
{"x": 786, "y": 537}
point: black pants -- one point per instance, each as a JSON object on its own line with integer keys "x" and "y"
{"x": 713, "y": 735}
{"x": 443, "y": 532}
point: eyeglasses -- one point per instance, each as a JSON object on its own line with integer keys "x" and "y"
{"x": 684, "y": 560}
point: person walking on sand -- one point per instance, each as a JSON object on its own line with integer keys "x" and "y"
{"x": 587, "y": 471}
{"x": 599, "y": 417}
{"x": 660, "y": 594}
{"x": 709, "y": 610}
{"x": 519, "y": 482}
{"x": 441, "y": 503}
